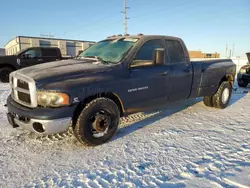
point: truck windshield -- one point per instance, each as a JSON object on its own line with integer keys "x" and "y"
{"x": 112, "y": 50}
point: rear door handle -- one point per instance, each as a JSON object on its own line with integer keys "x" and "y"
{"x": 163, "y": 73}
{"x": 40, "y": 60}
{"x": 187, "y": 70}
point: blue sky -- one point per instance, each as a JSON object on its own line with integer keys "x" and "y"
{"x": 206, "y": 25}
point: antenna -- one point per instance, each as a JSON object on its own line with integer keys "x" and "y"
{"x": 49, "y": 35}
{"x": 125, "y": 17}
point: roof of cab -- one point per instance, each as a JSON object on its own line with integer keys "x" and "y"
{"x": 141, "y": 36}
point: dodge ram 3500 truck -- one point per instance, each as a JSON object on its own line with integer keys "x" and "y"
{"x": 27, "y": 57}
{"x": 115, "y": 77}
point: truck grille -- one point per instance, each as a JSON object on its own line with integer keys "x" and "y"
{"x": 23, "y": 89}
{"x": 22, "y": 84}
{"x": 24, "y": 97}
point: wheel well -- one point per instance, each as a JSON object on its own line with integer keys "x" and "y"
{"x": 109, "y": 95}
{"x": 228, "y": 78}
{"x": 7, "y": 65}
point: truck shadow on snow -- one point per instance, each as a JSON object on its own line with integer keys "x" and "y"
{"x": 163, "y": 112}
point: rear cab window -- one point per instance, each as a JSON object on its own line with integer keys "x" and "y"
{"x": 49, "y": 52}
{"x": 175, "y": 51}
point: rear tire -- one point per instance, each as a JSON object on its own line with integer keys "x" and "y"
{"x": 208, "y": 101}
{"x": 97, "y": 122}
{"x": 241, "y": 83}
{"x": 222, "y": 97}
{"x": 4, "y": 74}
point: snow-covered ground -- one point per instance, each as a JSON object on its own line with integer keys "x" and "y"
{"x": 185, "y": 145}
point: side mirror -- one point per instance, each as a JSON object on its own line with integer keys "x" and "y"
{"x": 79, "y": 52}
{"x": 158, "y": 56}
{"x": 25, "y": 56}
{"x": 22, "y": 56}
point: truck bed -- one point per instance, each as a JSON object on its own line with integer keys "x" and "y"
{"x": 207, "y": 75}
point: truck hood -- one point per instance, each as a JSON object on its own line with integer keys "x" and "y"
{"x": 63, "y": 70}
{"x": 7, "y": 59}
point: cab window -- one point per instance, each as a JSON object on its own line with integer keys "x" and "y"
{"x": 144, "y": 56}
{"x": 33, "y": 53}
{"x": 49, "y": 52}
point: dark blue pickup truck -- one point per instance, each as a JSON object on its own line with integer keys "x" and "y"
{"x": 115, "y": 77}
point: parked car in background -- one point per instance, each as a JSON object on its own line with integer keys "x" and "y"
{"x": 115, "y": 77}
{"x": 243, "y": 76}
{"x": 27, "y": 57}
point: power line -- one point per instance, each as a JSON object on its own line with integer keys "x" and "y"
{"x": 162, "y": 9}
{"x": 93, "y": 23}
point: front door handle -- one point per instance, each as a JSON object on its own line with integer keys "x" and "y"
{"x": 40, "y": 60}
{"x": 163, "y": 73}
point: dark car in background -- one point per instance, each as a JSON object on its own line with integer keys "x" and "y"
{"x": 243, "y": 76}
{"x": 27, "y": 57}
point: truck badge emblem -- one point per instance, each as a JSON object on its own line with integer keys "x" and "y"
{"x": 76, "y": 100}
{"x": 18, "y": 61}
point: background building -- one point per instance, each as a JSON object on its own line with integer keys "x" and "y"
{"x": 200, "y": 54}
{"x": 2, "y": 51}
{"x": 67, "y": 46}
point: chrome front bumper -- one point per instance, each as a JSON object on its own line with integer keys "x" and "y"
{"x": 44, "y": 127}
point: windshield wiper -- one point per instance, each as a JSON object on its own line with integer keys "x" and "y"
{"x": 97, "y": 58}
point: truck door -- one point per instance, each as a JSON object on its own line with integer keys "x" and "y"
{"x": 180, "y": 74}
{"x": 49, "y": 54}
{"x": 148, "y": 81}
{"x": 30, "y": 57}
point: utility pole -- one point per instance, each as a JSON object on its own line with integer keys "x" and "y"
{"x": 226, "y": 52}
{"x": 125, "y": 17}
{"x": 233, "y": 51}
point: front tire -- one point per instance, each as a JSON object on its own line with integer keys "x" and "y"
{"x": 4, "y": 74}
{"x": 97, "y": 122}
{"x": 222, "y": 97}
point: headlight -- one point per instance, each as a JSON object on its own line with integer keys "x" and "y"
{"x": 52, "y": 99}
{"x": 243, "y": 71}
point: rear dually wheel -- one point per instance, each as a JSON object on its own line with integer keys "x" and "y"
{"x": 222, "y": 97}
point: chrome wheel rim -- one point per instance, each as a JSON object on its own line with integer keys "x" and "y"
{"x": 225, "y": 95}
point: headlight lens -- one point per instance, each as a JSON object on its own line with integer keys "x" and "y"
{"x": 52, "y": 99}
{"x": 243, "y": 71}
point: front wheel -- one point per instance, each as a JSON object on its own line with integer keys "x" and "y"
{"x": 4, "y": 74}
{"x": 97, "y": 122}
{"x": 222, "y": 96}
